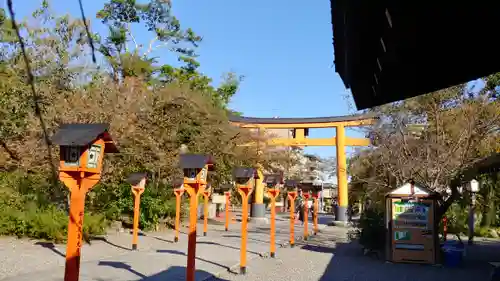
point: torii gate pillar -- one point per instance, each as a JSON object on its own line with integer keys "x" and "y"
{"x": 343, "y": 199}
{"x": 258, "y": 210}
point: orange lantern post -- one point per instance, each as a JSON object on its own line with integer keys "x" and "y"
{"x": 227, "y": 195}
{"x": 244, "y": 177}
{"x": 82, "y": 148}
{"x": 178, "y": 191}
{"x": 138, "y": 182}
{"x": 273, "y": 193}
{"x": 195, "y": 167}
{"x": 315, "y": 211}
{"x": 206, "y": 196}
{"x": 306, "y": 215}
{"x": 292, "y": 195}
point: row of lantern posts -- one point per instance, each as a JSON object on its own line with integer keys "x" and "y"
{"x": 82, "y": 150}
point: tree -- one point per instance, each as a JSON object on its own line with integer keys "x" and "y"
{"x": 157, "y": 18}
{"x": 430, "y": 139}
{"x": 150, "y": 119}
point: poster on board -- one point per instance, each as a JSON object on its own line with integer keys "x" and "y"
{"x": 411, "y": 215}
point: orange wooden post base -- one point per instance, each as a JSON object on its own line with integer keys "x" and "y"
{"x": 306, "y": 215}
{"x": 292, "y": 195}
{"x": 273, "y": 193}
{"x": 193, "y": 190}
{"x": 78, "y": 185}
{"x": 244, "y": 192}
{"x": 206, "y": 196}
{"x": 178, "y": 197}
{"x": 137, "y": 201}
{"x": 227, "y": 195}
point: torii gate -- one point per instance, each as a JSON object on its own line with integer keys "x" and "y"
{"x": 300, "y": 138}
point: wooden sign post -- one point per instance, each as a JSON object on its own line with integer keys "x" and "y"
{"x": 306, "y": 215}
{"x": 195, "y": 167}
{"x": 315, "y": 211}
{"x": 244, "y": 182}
{"x": 138, "y": 182}
{"x": 292, "y": 195}
{"x": 206, "y": 196}
{"x": 82, "y": 148}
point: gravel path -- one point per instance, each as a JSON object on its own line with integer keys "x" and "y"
{"x": 321, "y": 259}
{"x": 325, "y": 257}
{"x": 157, "y": 258}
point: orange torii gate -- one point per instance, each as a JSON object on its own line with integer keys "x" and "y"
{"x": 300, "y": 127}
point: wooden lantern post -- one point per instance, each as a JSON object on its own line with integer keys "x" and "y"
{"x": 138, "y": 182}
{"x": 315, "y": 211}
{"x": 82, "y": 148}
{"x": 292, "y": 195}
{"x": 206, "y": 196}
{"x": 306, "y": 215}
{"x": 195, "y": 167}
{"x": 178, "y": 191}
{"x": 244, "y": 182}
{"x": 273, "y": 191}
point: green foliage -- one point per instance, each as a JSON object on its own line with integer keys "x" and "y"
{"x": 166, "y": 31}
{"x": 457, "y": 217}
{"x": 117, "y": 202}
{"x": 370, "y": 230}
{"x": 25, "y": 210}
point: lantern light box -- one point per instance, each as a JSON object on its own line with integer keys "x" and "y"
{"x": 243, "y": 175}
{"x": 196, "y": 167}
{"x": 82, "y": 146}
{"x": 137, "y": 180}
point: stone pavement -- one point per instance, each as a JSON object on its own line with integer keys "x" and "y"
{"x": 331, "y": 257}
{"x": 158, "y": 258}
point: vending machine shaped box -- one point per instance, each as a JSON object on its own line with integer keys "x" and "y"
{"x": 411, "y": 233}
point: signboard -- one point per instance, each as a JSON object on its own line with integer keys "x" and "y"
{"x": 203, "y": 174}
{"x": 410, "y": 215}
{"x": 402, "y": 235}
{"x": 93, "y": 156}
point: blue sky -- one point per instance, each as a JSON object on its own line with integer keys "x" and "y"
{"x": 282, "y": 47}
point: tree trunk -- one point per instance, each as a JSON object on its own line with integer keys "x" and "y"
{"x": 441, "y": 210}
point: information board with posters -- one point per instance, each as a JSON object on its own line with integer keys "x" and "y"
{"x": 410, "y": 215}
{"x": 410, "y": 221}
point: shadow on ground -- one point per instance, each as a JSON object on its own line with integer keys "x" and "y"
{"x": 172, "y": 273}
{"x": 349, "y": 263}
{"x": 249, "y": 238}
{"x": 50, "y": 246}
{"x": 175, "y": 252}
{"x": 229, "y": 247}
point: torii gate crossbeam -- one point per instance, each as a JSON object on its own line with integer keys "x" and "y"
{"x": 301, "y": 127}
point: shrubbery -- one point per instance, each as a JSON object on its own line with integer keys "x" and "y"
{"x": 26, "y": 209}
{"x": 370, "y": 230}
